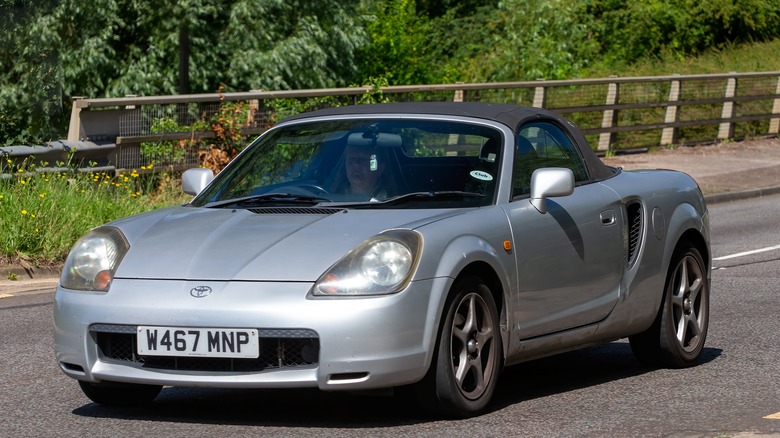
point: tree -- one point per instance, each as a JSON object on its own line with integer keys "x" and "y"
{"x": 631, "y": 30}
{"x": 526, "y": 40}
{"x": 458, "y": 8}
{"x": 398, "y": 48}
{"x": 289, "y": 44}
{"x": 54, "y": 50}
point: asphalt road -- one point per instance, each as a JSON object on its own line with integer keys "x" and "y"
{"x": 600, "y": 391}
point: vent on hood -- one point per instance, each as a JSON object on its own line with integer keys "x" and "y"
{"x": 634, "y": 224}
{"x": 295, "y": 210}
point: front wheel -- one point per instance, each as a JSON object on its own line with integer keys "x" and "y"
{"x": 119, "y": 394}
{"x": 466, "y": 365}
{"x": 676, "y": 338}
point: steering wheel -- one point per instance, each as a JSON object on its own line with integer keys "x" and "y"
{"x": 313, "y": 188}
{"x": 303, "y": 188}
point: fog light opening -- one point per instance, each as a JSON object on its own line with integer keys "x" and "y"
{"x": 347, "y": 378}
{"x": 72, "y": 367}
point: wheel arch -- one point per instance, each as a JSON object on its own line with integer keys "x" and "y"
{"x": 695, "y": 238}
{"x": 687, "y": 224}
{"x": 474, "y": 255}
{"x": 492, "y": 281}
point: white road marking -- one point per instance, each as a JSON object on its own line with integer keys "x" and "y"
{"x": 747, "y": 253}
{"x": 773, "y": 416}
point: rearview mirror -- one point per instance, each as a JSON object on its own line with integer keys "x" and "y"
{"x": 550, "y": 182}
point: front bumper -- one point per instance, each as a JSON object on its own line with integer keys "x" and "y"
{"x": 359, "y": 343}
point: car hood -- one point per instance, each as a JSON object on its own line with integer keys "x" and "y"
{"x": 296, "y": 244}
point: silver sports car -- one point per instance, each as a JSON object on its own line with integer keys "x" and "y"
{"x": 424, "y": 246}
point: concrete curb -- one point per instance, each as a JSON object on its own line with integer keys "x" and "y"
{"x": 716, "y": 198}
{"x": 29, "y": 280}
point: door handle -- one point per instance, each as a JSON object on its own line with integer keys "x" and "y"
{"x": 608, "y": 217}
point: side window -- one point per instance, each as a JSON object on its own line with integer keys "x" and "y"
{"x": 541, "y": 145}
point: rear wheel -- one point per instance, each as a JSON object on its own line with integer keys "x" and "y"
{"x": 465, "y": 369}
{"x": 119, "y": 394}
{"x": 676, "y": 338}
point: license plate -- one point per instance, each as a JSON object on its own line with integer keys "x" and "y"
{"x": 199, "y": 342}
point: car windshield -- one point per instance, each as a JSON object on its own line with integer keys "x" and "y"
{"x": 365, "y": 163}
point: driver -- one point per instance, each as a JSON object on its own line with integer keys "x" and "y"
{"x": 364, "y": 168}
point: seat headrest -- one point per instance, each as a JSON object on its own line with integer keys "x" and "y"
{"x": 489, "y": 151}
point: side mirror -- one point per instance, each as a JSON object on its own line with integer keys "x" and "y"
{"x": 193, "y": 181}
{"x": 550, "y": 182}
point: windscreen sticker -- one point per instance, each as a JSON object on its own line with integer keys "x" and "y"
{"x": 481, "y": 175}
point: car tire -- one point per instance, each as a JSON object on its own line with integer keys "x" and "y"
{"x": 465, "y": 368}
{"x": 119, "y": 394}
{"x": 676, "y": 338}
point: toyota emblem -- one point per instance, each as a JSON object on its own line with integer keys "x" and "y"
{"x": 200, "y": 291}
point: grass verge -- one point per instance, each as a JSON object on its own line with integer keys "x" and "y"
{"x": 44, "y": 213}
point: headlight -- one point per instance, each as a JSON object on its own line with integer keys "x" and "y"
{"x": 381, "y": 265}
{"x": 93, "y": 260}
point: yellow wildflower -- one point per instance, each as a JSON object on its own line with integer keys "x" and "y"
{"x": 24, "y": 211}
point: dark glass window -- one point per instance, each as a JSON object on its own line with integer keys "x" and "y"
{"x": 539, "y": 145}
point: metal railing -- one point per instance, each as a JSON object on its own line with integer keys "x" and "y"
{"x": 616, "y": 114}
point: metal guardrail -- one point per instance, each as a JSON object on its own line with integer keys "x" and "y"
{"x": 616, "y": 114}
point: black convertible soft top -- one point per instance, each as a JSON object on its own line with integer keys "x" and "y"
{"x": 511, "y": 115}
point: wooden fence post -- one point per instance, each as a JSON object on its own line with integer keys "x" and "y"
{"x": 774, "y": 123}
{"x": 540, "y": 95}
{"x": 669, "y": 134}
{"x": 458, "y": 94}
{"x": 609, "y": 118}
{"x": 726, "y": 128}
{"x": 74, "y": 128}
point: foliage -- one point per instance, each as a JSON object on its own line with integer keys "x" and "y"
{"x": 43, "y": 214}
{"x": 374, "y": 94}
{"x": 513, "y": 41}
{"x": 731, "y": 57}
{"x": 632, "y": 30}
{"x": 535, "y": 39}
{"x": 457, "y": 59}
{"x": 283, "y": 108}
{"x": 156, "y": 37}
{"x": 460, "y": 8}
{"x": 228, "y": 140}
{"x": 53, "y": 50}
{"x": 165, "y": 151}
{"x": 399, "y": 46}
{"x": 293, "y": 44}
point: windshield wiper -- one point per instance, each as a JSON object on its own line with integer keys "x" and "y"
{"x": 268, "y": 198}
{"x": 425, "y": 196}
